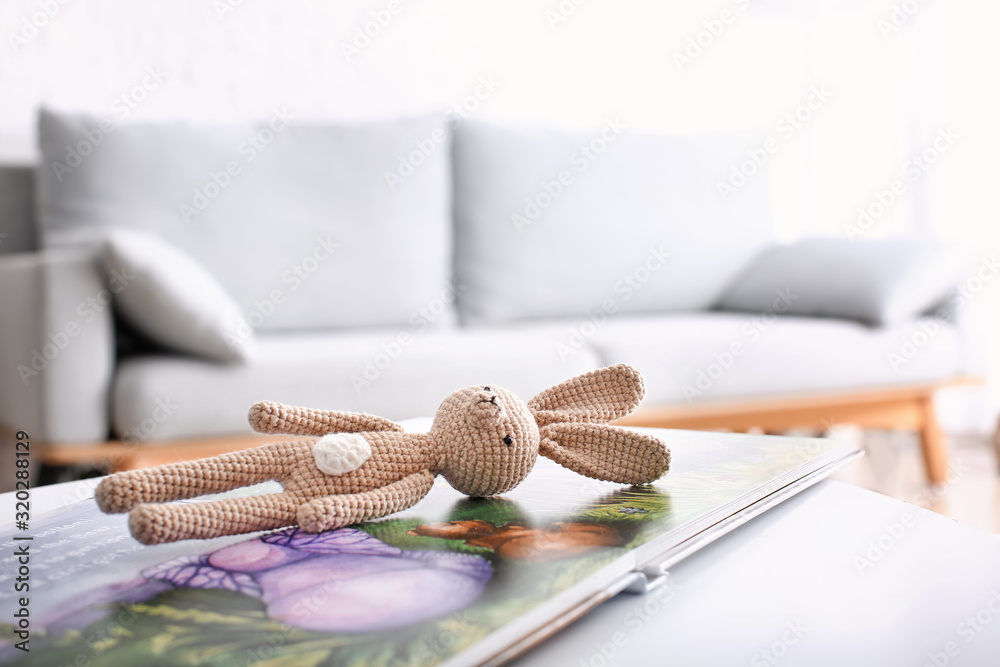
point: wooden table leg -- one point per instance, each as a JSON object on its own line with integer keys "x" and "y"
{"x": 932, "y": 443}
{"x": 996, "y": 444}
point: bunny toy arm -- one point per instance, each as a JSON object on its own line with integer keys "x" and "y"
{"x": 270, "y": 417}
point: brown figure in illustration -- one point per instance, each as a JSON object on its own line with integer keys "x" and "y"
{"x": 516, "y": 541}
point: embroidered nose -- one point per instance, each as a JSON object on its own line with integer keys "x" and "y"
{"x": 485, "y": 413}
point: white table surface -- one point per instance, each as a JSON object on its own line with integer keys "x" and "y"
{"x": 789, "y": 582}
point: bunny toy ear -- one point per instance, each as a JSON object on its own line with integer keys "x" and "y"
{"x": 604, "y": 452}
{"x": 596, "y": 397}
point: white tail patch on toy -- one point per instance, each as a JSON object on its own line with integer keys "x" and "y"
{"x": 340, "y": 453}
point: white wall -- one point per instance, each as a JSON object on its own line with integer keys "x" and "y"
{"x": 891, "y": 91}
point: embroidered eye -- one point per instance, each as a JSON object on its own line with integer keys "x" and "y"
{"x": 486, "y": 388}
{"x": 507, "y": 440}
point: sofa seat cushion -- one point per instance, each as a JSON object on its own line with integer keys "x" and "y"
{"x": 696, "y": 357}
{"x": 296, "y": 221}
{"x": 159, "y": 398}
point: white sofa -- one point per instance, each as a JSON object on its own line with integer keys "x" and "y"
{"x": 382, "y": 265}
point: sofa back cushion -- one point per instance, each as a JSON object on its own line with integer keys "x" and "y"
{"x": 299, "y": 223}
{"x": 565, "y": 224}
{"x": 881, "y": 282}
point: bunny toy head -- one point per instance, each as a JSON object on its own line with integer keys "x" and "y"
{"x": 488, "y": 439}
{"x": 354, "y": 467}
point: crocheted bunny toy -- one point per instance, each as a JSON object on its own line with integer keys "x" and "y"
{"x": 357, "y": 467}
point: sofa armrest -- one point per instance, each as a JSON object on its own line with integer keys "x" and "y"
{"x": 56, "y": 346}
{"x": 958, "y": 312}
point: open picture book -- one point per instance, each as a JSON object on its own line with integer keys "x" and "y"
{"x": 452, "y": 581}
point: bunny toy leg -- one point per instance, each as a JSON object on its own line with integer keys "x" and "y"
{"x": 156, "y": 524}
{"x": 338, "y": 511}
{"x": 123, "y": 491}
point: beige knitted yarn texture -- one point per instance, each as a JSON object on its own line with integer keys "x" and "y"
{"x": 484, "y": 441}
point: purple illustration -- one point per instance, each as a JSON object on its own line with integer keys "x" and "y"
{"x": 339, "y": 581}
